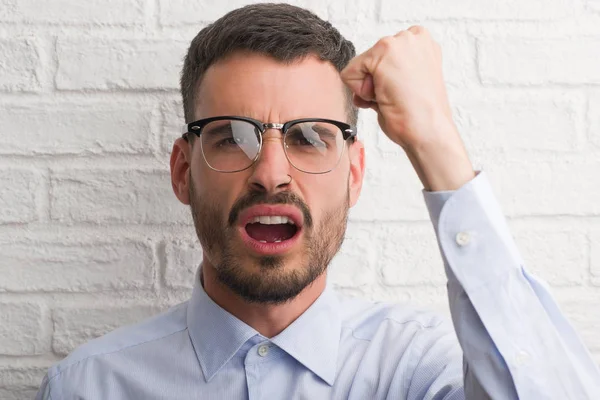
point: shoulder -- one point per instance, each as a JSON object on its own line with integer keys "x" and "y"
{"x": 121, "y": 340}
{"x": 365, "y": 319}
{"x": 397, "y": 340}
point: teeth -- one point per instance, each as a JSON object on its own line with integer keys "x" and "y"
{"x": 272, "y": 220}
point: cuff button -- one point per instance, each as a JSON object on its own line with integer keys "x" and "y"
{"x": 463, "y": 238}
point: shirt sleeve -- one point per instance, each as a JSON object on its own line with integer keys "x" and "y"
{"x": 516, "y": 343}
{"x": 44, "y": 390}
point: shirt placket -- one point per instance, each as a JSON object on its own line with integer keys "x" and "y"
{"x": 255, "y": 364}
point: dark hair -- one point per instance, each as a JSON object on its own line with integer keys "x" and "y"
{"x": 282, "y": 31}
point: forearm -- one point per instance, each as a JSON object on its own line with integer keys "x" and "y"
{"x": 508, "y": 325}
{"x": 441, "y": 164}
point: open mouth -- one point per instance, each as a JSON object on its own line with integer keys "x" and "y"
{"x": 271, "y": 228}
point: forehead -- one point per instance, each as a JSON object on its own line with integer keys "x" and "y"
{"x": 258, "y": 86}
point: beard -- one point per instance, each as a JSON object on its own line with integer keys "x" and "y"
{"x": 273, "y": 283}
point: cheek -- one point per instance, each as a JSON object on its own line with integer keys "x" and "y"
{"x": 325, "y": 193}
{"x": 218, "y": 189}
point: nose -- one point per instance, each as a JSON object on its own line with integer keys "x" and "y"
{"x": 271, "y": 172}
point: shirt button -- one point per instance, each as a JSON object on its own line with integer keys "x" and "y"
{"x": 521, "y": 358}
{"x": 463, "y": 238}
{"x": 263, "y": 350}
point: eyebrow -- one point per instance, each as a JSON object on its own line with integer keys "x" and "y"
{"x": 319, "y": 129}
{"x": 221, "y": 129}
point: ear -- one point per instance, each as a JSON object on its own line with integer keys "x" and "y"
{"x": 180, "y": 170}
{"x": 357, "y": 170}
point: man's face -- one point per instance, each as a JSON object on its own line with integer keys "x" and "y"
{"x": 225, "y": 204}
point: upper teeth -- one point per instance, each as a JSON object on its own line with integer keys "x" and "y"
{"x": 271, "y": 220}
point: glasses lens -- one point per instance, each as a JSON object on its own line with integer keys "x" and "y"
{"x": 314, "y": 147}
{"x": 230, "y": 145}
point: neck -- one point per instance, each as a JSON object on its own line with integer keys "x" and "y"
{"x": 267, "y": 319}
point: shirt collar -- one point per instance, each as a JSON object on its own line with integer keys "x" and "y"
{"x": 312, "y": 339}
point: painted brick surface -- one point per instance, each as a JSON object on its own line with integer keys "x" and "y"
{"x": 17, "y": 383}
{"x": 76, "y": 267}
{"x": 183, "y": 259}
{"x": 19, "y": 190}
{"x": 417, "y": 264}
{"x": 406, "y": 10}
{"x": 594, "y": 119}
{"x": 554, "y": 253}
{"x": 595, "y": 249}
{"x": 19, "y": 65}
{"x": 507, "y": 122}
{"x": 542, "y": 187}
{"x": 118, "y": 64}
{"x": 73, "y": 12}
{"x": 92, "y": 237}
{"x": 115, "y": 196}
{"x": 22, "y": 329}
{"x": 538, "y": 61}
{"x": 73, "y": 128}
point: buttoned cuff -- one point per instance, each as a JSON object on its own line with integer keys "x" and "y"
{"x": 470, "y": 227}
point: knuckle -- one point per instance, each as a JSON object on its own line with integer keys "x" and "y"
{"x": 385, "y": 43}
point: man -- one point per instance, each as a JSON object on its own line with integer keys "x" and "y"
{"x": 269, "y": 164}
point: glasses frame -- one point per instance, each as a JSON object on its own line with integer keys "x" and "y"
{"x": 348, "y": 132}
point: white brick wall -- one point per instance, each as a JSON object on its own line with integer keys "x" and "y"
{"x": 92, "y": 238}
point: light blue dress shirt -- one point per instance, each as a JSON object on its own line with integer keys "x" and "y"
{"x": 515, "y": 342}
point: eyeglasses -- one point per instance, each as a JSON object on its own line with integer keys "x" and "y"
{"x": 233, "y": 144}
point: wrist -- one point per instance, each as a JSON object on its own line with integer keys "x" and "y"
{"x": 441, "y": 164}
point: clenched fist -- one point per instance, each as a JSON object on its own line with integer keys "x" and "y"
{"x": 401, "y": 78}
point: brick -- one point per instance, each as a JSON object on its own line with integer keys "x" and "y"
{"x": 183, "y": 259}
{"x": 554, "y": 253}
{"x": 18, "y": 192}
{"x": 13, "y": 376}
{"x": 76, "y": 326}
{"x": 520, "y": 61}
{"x": 106, "y": 64}
{"x": 76, "y": 129}
{"x": 410, "y": 256}
{"x": 172, "y": 122}
{"x": 19, "y": 65}
{"x": 391, "y": 190}
{"x": 18, "y": 393}
{"x": 595, "y": 256}
{"x": 115, "y": 196}
{"x": 22, "y": 329}
{"x": 585, "y": 318}
{"x": 354, "y": 265}
{"x": 90, "y": 267}
{"x": 406, "y": 10}
{"x": 594, "y": 119}
{"x": 527, "y": 121}
{"x": 594, "y": 5}
{"x": 73, "y": 11}
{"x": 178, "y": 12}
{"x": 543, "y": 187}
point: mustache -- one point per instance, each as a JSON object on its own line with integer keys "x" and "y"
{"x": 255, "y": 198}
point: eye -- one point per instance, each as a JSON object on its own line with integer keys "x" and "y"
{"x": 299, "y": 140}
{"x": 304, "y": 138}
{"x": 232, "y": 141}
